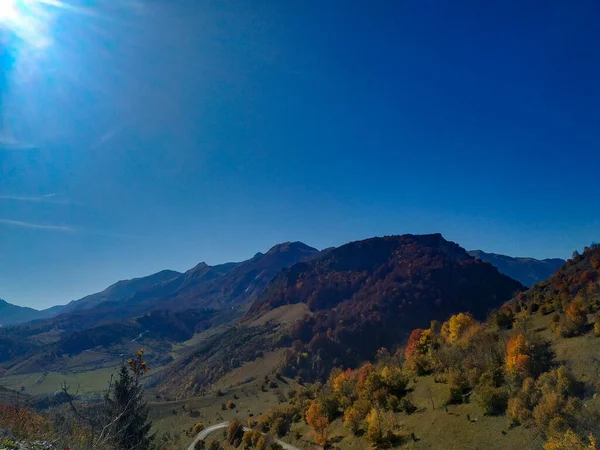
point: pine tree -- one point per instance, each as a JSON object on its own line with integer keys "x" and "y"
{"x": 128, "y": 410}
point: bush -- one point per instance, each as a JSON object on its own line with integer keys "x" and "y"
{"x": 493, "y": 401}
{"x": 235, "y": 432}
{"x": 215, "y": 445}
{"x": 406, "y": 406}
{"x": 251, "y": 438}
{"x": 393, "y": 403}
{"x": 517, "y": 412}
{"x": 280, "y": 426}
{"x": 459, "y": 387}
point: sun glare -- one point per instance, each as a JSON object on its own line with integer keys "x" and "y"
{"x": 8, "y": 10}
{"x": 27, "y": 20}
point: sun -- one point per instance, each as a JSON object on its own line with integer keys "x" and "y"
{"x": 9, "y": 10}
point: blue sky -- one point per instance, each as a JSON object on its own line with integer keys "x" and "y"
{"x": 157, "y": 134}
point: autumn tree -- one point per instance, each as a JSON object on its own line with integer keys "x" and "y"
{"x": 319, "y": 423}
{"x": 518, "y": 360}
{"x": 235, "y": 432}
{"x": 576, "y": 319}
{"x": 570, "y": 441}
{"x": 353, "y": 418}
{"x": 456, "y": 326}
{"x": 378, "y": 427}
{"x": 417, "y": 349}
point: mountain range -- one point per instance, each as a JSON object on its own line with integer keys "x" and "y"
{"x": 225, "y": 285}
{"x": 528, "y": 271}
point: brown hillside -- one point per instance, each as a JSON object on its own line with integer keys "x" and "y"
{"x": 370, "y": 294}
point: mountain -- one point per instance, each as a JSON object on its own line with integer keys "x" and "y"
{"x": 528, "y": 271}
{"x": 369, "y": 294}
{"x": 222, "y": 286}
{"x": 13, "y": 315}
{"x": 119, "y": 291}
{"x": 245, "y": 281}
{"x": 204, "y": 288}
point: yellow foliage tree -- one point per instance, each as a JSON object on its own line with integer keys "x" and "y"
{"x": 455, "y": 327}
{"x": 377, "y": 426}
{"x": 570, "y": 441}
{"x": 352, "y": 419}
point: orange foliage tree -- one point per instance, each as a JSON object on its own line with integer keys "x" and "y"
{"x": 577, "y": 315}
{"x": 518, "y": 361}
{"x": 319, "y": 423}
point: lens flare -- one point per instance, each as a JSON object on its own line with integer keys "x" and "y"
{"x": 27, "y": 20}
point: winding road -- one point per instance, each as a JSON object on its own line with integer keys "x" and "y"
{"x": 209, "y": 430}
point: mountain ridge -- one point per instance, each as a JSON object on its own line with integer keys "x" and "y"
{"x": 526, "y": 270}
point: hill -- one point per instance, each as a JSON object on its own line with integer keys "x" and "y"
{"x": 528, "y": 271}
{"x": 225, "y": 285}
{"x": 370, "y": 294}
{"x": 526, "y": 377}
{"x": 13, "y": 314}
{"x": 216, "y": 287}
{"x": 160, "y": 310}
{"x": 340, "y": 308}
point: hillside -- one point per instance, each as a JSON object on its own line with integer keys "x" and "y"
{"x": 370, "y": 294}
{"x": 159, "y": 311}
{"x": 217, "y": 287}
{"x": 227, "y": 285}
{"x": 351, "y": 301}
{"x": 120, "y": 291}
{"x": 528, "y": 271}
{"x": 526, "y": 377}
{"x": 13, "y": 314}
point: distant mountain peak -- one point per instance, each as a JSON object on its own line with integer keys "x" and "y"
{"x": 291, "y": 246}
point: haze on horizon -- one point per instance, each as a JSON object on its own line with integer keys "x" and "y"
{"x": 150, "y": 135}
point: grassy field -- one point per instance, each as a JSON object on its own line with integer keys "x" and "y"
{"x": 49, "y": 382}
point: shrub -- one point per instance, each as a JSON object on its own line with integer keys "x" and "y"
{"x": 251, "y": 438}
{"x": 517, "y": 412}
{"x": 235, "y": 431}
{"x": 493, "y": 401}
{"x": 597, "y": 324}
{"x": 393, "y": 403}
{"x": 459, "y": 387}
{"x": 215, "y": 445}
{"x": 406, "y": 406}
{"x": 280, "y": 426}
{"x": 330, "y": 406}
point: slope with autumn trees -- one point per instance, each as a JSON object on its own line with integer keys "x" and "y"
{"x": 369, "y": 294}
{"x": 526, "y": 377}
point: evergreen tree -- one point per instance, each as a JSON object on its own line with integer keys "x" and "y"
{"x": 128, "y": 409}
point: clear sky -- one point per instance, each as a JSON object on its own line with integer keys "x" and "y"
{"x": 142, "y": 135}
